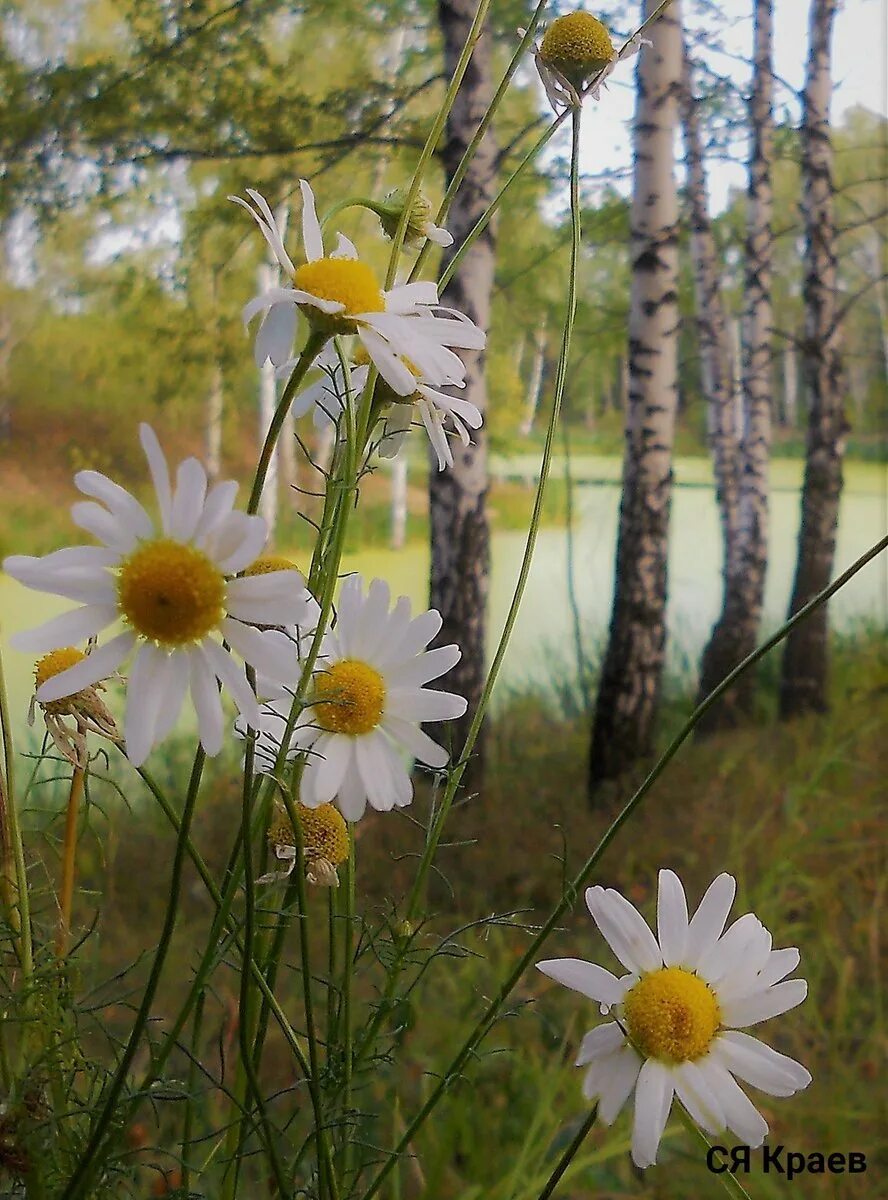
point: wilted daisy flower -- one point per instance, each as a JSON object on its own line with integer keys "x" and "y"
{"x": 420, "y": 226}
{"x": 367, "y": 705}
{"x": 85, "y": 708}
{"x": 679, "y": 1011}
{"x": 574, "y": 49}
{"x": 434, "y": 407}
{"x": 173, "y": 591}
{"x": 340, "y": 294}
{"x": 324, "y": 843}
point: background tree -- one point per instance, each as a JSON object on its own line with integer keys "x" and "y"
{"x": 629, "y": 689}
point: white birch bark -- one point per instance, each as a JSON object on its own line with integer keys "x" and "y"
{"x": 535, "y": 383}
{"x": 399, "y": 500}
{"x": 629, "y": 690}
{"x": 790, "y": 387}
{"x": 215, "y": 408}
{"x": 803, "y": 683}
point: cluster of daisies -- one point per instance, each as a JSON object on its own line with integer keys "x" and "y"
{"x": 187, "y": 598}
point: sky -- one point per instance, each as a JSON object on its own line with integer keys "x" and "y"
{"x": 860, "y": 71}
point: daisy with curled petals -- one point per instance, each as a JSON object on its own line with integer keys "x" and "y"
{"x": 172, "y": 589}
{"x": 367, "y": 705}
{"x": 340, "y": 294}
{"x": 574, "y": 50}
{"x": 679, "y": 1011}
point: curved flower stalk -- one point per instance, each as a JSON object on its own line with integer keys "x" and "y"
{"x": 575, "y": 50}
{"x": 678, "y": 1013}
{"x": 172, "y": 588}
{"x": 338, "y": 293}
{"x": 367, "y": 705}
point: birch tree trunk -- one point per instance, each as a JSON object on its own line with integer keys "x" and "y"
{"x": 803, "y": 679}
{"x": 790, "y": 387}
{"x": 460, "y": 531}
{"x": 746, "y": 530}
{"x": 399, "y": 499}
{"x": 214, "y": 412}
{"x": 535, "y": 384}
{"x": 629, "y": 690}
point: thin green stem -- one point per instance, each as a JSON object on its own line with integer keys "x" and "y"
{"x": 464, "y": 163}
{"x": 728, "y": 1180}
{"x": 568, "y": 1155}
{"x": 188, "y": 1123}
{"x": 85, "y": 1170}
{"x": 19, "y": 906}
{"x": 493, "y": 1009}
{"x": 312, "y": 348}
{"x": 348, "y": 966}
{"x": 582, "y": 680}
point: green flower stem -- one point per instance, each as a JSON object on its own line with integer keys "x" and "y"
{"x": 188, "y": 1123}
{"x": 729, "y": 1180}
{"x": 348, "y": 962}
{"x": 83, "y": 1174}
{"x": 568, "y": 1155}
{"x": 463, "y": 166}
{"x": 434, "y": 134}
{"x": 313, "y": 346}
{"x": 579, "y": 653}
{"x": 16, "y": 900}
{"x": 488, "y": 1018}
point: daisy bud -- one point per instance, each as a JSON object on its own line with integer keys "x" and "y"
{"x": 576, "y": 46}
{"x": 419, "y": 223}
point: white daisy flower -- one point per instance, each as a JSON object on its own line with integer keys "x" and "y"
{"x": 679, "y": 1011}
{"x": 172, "y": 589}
{"x": 340, "y": 294}
{"x": 575, "y": 49}
{"x": 367, "y": 705}
{"x": 434, "y": 407}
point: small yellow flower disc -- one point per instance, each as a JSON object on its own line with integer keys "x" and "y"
{"x": 55, "y": 662}
{"x": 349, "y": 698}
{"x": 270, "y": 563}
{"x": 171, "y": 592}
{"x": 672, "y": 1015}
{"x": 577, "y": 46}
{"x": 349, "y": 282}
{"x": 324, "y": 832}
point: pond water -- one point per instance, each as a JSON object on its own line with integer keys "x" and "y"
{"x": 541, "y": 645}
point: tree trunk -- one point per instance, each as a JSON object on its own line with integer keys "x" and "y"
{"x": 746, "y": 530}
{"x": 790, "y": 387}
{"x": 629, "y": 690}
{"x": 399, "y": 500}
{"x": 460, "y": 532}
{"x": 803, "y": 679}
{"x": 535, "y": 384}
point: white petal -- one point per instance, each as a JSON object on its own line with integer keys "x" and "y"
{"x": 417, "y": 743}
{"x": 98, "y": 665}
{"x": 761, "y": 1006}
{"x": 760, "y": 1065}
{"x": 160, "y": 474}
{"x": 600, "y": 1041}
{"x": 207, "y": 705}
{"x": 233, "y": 677}
{"x": 65, "y": 630}
{"x": 126, "y": 508}
{"x": 672, "y": 918}
{"x": 731, "y": 949}
{"x": 780, "y": 963}
{"x": 708, "y": 921}
{"x": 399, "y": 378}
{"x": 277, "y": 598}
{"x": 275, "y": 337}
{"x": 653, "y": 1099}
{"x": 645, "y": 952}
{"x": 375, "y": 771}
{"x": 311, "y": 226}
{"x": 103, "y": 525}
{"x": 259, "y": 650}
{"x": 414, "y": 638}
{"x": 144, "y": 700}
{"x": 219, "y": 503}
{"x": 175, "y": 687}
{"x": 422, "y": 704}
{"x": 431, "y": 664}
{"x": 352, "y": 798}
{"x": 741, "y": 1115}
{"x": 188, "y": 499}
{"x": 584, "y": 977}
{"x": 239, "y": 541}
{"x": 406, "y": 297}
{"x": 696, "y": 1094}
{"x": 612, "y": 1080}
{"x": 331, "y": 769}
{"x": 88, "y": 584}
{"x": 344, "y": 248}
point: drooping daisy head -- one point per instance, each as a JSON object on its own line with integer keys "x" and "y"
{"x": 324, "y": 843}
{"x": 575, "y": 49}
{"x": 172, "y": 588}
{"x": 339, "y": 293}
{"x": 71, "y": 717}
{"x": 367, "y": 703}
{"x": 678, "y": 1014}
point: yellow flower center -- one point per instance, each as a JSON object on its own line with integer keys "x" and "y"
{"x": 324, "y": 832}
{"x": 170, "y": 592}
{"x": 577, "y": 46}
{"x": 672, "y": 1015}
{"x": 349, "y": 282}
{"x": 350, "y": 697}
{"x": 269, "y": 563}
{"x": 55, "y": 662}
